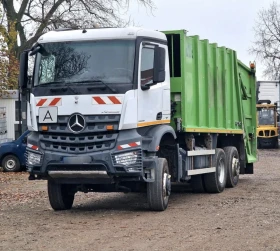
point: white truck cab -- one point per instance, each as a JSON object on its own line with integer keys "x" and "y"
{"x": 98, "y": 107}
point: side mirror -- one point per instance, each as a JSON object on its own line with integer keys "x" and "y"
{"x": 23, "y": 68}
{"x": 35, "y": 50}
{"x": 159, "y": 65}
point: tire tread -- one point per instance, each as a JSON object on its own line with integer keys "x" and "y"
{"x": 154, "y": 189}
{"x": 58, "y": 200}
{"x": 211, "y": 179}
{"x": 229, "y": 151}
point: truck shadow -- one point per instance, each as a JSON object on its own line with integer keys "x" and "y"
{"x": 131, "y": 202}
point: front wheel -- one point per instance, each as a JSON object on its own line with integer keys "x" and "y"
{"x": 61, "y": 196}
{"x": 11, "y": 164}
{"x": 158, "y": 192}
{"x": 216, "y": 182}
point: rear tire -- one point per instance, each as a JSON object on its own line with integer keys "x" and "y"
{"x": 232, "y": 166}
{"x": 158, "y": 192}
{"x": 11, "y": 163}
{"x": 61, "y": 196}
{"x": 197, "y": 184}
{"x": 216, "y": 182}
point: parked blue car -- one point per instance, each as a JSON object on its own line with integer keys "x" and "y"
{"x": 12, "y": 154}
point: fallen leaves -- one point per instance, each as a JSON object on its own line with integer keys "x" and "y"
{"x": 16, "y": 189}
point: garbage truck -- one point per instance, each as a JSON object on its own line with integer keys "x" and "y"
{"x": 136, "y": 110}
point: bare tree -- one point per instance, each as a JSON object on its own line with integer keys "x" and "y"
{"x": 29, "y": 19}
{"x": 34, "y": 17}
{"x": 267, "y": 40}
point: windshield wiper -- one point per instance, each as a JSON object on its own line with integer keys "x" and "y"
{"x": 52, "y": 82}
{"x": 96, "y": 81}
{"x": 65, "y": 89}
{"x": 59, "y": 88}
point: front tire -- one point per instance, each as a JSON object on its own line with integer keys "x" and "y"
{"x": 232, "y": 166}
{"x": 158, "y": 192}
{"x": 216, "y": 182}
{"x": 61, "y": 196}
{"x": 11, "y": 163}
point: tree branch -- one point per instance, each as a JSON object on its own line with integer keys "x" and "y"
{"x": 22, "y": 9}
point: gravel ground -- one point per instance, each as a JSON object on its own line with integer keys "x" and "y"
{"x": 244, "y": 218}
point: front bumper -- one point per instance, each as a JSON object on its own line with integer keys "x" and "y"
{"x": 94, "y": 165}
{"x": 267, "y": 142}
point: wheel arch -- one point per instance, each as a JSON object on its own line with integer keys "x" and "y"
{"x": 162, "y": 143}
{"x": 158, "y": 135}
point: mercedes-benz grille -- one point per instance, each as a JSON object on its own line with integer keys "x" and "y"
{"x": 94, "y": 136}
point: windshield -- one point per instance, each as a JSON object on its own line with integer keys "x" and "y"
{"x": 109, "y": 61}
{"x": 266, "y": 116}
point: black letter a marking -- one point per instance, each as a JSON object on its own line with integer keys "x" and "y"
{"x": 48, "y": 116}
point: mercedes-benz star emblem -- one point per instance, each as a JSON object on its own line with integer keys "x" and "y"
{"x": 76, "y": 123}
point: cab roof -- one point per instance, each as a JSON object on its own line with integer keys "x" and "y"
{"x": 99, "y": 34}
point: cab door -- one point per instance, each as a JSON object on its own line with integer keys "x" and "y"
{"x": 151, "y": 108}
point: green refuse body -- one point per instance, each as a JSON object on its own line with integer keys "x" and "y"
{"x": 212, "y": 91}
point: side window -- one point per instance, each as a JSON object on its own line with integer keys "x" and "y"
{"x": 147, "y": 65}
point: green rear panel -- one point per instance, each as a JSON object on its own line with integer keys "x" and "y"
{"x": 213, "y": 91}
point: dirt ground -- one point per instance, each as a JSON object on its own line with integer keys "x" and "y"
{"x": 244, "y": 218}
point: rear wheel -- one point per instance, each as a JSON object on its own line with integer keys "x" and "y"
{"x": 216, "y": 182}
{"x": 232, "y": 166}
{"x": 11, "y": 164}
{"x": 158, "y": 192}
{"x": 61, "y": 196}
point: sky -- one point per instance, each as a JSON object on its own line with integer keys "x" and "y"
{"x": 226, "y": 22}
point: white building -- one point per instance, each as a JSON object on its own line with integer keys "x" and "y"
{"x": 9, "y": 102}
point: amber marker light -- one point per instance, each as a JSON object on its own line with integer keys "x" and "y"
{"x": 45, "y": 128}
{"x": 110, "y": 127}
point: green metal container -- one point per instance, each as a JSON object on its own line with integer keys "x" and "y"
{"x": 212, "y": 91}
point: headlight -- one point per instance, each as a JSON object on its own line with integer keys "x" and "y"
{"x": 33, "y": 158}
{"x": 126, "y": 159}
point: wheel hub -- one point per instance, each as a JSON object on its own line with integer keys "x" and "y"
{"x": 10, "y": 164}
{"x": 166, "y": 184}
{"x": 235, "y": 167}
{"x": 221, "y": 171}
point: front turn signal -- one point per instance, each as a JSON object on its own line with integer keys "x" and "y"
{"x": 110, "y": 127}
{"x": 45, "y": 128}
